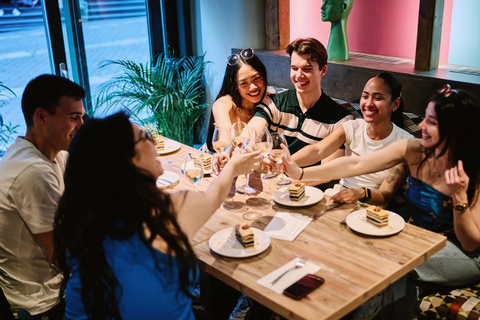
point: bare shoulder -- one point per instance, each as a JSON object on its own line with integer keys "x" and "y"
{"x": 223, "y": 104}
{"x": 413, "y": 150}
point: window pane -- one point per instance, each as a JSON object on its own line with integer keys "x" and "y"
{"x": 113, "y": 30}
{"x": 23, "y": 56}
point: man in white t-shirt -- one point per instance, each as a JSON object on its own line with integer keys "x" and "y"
{"x": 31, "y": 184}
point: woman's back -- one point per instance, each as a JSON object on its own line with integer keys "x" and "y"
{"x": 145, "y": 292}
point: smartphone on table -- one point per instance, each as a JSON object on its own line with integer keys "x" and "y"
{"x": 304, "y": 286}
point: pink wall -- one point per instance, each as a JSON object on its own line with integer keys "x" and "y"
{"x": 375, "y": 26}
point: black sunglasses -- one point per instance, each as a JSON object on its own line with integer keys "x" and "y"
{"x": 234, "y": 58}
{"x": 447, "y": 91}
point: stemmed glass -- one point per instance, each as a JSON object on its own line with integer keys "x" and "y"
{"x": 193, "y": 169}
{"x": 240, "y": 135}
{"x": 277, "y": 153}
{"x": 221, "y": 140}
{"x": 263, "y": 142}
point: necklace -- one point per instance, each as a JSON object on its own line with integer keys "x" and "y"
{"x": 438, "y": 171}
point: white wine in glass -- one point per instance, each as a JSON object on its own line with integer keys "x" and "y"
{"x": 263, "y": 142}
{"x": 193, "y": 171}
{"x": 241, "y": 137}
{"x": 277, "y": 153}
{"x": 221, "y": 140}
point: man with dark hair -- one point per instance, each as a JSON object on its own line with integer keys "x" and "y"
{"x": 305, "y": 114}
{"x": 31, "y": 183}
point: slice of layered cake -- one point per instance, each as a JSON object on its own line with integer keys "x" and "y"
{"x": 377, "y": 216}
{"x": 160, "y": 143}
{"x": 244, "y": 234}
{"x": 206, "y": 160}
{"x": 297, "y": 191}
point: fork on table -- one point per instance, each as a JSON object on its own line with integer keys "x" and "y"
{"x": 300, "y": 264}
{"x": 321, "y": 213}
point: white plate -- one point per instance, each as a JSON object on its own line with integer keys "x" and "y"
{"x": 312, "y": 196}
{"x": 170, "y": 146}
{"x": 204, "y": 171}
{"x": 357, "y": 221}
{"x": 226, "y": 244}
{"x": 166, "y": 179}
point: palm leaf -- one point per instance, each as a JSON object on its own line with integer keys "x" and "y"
{"x": 169, "y": 90}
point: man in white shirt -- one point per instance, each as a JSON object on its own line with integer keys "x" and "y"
{"x": 31, "y": 184}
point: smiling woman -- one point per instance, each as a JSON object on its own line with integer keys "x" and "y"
{"x": 445, "y": 201}
{"x": 382, "y": 123}
{"x": 244, "y": 86}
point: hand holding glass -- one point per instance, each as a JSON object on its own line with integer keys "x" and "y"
{"x": 263, "y": 142}
{"x": 277, "y": 153}
{"x": 221, "y": 143}
{"x": 240, "y": 135}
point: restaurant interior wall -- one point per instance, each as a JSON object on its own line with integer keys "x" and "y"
{"x": 389, "y": 28}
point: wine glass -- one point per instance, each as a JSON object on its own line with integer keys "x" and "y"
{"x": 193, "y": 169}
{"x": 221, "y": 140}
{"x": 240, "y": 135}
{"x": 277, "y": 153}
{"x": 263, "y": 142}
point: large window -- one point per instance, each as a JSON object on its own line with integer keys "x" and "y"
{"x": 103, "y": 30}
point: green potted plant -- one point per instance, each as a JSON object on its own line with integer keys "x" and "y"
{"x": 168, "y": 92}
{"x": 7, "y": 130}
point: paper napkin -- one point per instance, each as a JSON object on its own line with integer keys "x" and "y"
{"x": 287, "y": 225}
{"x": 288, "y": 279}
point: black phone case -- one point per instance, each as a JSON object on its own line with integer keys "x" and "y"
{"x": 304, "y": 286}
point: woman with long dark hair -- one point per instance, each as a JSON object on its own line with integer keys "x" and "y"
{"x": 382, "y": 108}
{"x": 442, "y": 192}
{"x": 243, "y": 87}
{"x": 124, "y": 245}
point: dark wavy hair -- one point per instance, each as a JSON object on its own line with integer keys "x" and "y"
{"x": 312, "y": 48}
{"x": 458, "y": 117}
{"x": 107, "y": 196}
{"x": 229, "y": 87}
{"x": 45, "y": 92}
{"x": 395, "y": 87}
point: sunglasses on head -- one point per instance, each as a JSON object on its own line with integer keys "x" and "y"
{"x": 234, "y": 58}
{"x": 447, "y": 91}
{"x": 146, "y": 135}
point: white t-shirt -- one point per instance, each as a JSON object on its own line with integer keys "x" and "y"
{"x": 30, "y": 188}
{"x": 357, "y": 143}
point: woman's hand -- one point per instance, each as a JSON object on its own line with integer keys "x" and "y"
{"x": 244, "y": 162}
{"x": 349, "y": 195}
{"x": 219, "y": 161}
{"x": 289, "y": 166}
{"x": 457, "y": 181}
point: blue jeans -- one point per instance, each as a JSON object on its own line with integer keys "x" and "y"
{"x": 450, "y": 267}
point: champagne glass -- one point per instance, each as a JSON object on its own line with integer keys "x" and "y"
{"x": 263, "y": 142}
{"x": 240, "y": 135}
{"x": 193, "y": 169}
{"x": 277, "y": 153}
{"x": 221, "y": 140}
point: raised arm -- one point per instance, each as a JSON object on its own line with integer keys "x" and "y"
{"x": 315, "y": 152}
{"x": 352, "y": 166}
{"x": 467, "y": 223}
{"x": 195, "y": 208}
{"x": 390, "y": 185}
{"x": 257, "y": 124}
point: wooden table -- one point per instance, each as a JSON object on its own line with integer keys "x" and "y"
{"x": 355, "y": 267}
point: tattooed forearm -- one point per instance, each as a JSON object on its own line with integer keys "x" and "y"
{"x": 394, "y": 172}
